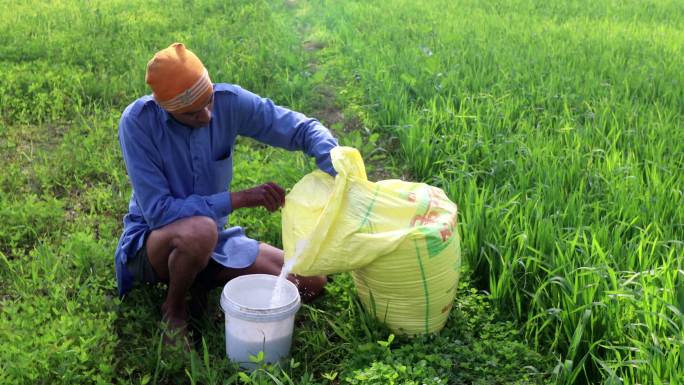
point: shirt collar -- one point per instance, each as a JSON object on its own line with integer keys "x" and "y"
{"x": 170, "y": 121}
{"x": 167, "y": 117}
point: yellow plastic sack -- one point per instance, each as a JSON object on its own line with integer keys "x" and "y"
{"x": 398, "y": 238}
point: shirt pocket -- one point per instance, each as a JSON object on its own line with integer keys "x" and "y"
{"x": 222, "y": 172}
{"x": 223, "y": 155}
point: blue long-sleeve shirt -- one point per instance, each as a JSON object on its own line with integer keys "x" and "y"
{"x": 177, "y": 171}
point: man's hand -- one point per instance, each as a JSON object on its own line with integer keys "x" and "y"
{"x": 269, "y": 195}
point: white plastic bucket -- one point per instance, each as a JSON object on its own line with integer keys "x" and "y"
{"x": 252, "y": 324}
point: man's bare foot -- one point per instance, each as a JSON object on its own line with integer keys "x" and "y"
{"x": 175, "y": 327}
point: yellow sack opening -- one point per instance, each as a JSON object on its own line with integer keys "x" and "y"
{"x": 398, "y": 238}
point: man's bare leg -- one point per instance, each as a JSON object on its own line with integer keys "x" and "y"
{"x": 177, "y": 252}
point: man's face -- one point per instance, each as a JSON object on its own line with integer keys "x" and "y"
{"x": 198, "y": 118}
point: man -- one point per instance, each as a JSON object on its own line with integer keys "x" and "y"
{"x": 178, "y": 148}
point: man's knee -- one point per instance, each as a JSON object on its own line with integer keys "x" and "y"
{"x": 310, "y": 287}
{"x": 196, "y": 236}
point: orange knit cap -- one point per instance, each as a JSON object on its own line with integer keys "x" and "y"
{"x": 178, "y": 79}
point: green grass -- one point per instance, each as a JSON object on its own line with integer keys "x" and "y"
{"x": 553, "y": 125}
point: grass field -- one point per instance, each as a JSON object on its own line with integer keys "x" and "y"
{"x": 555, "y": 126}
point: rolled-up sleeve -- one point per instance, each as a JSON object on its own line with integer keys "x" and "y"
{"x": 263, "y": 120}
{"x": 150, "y": 186}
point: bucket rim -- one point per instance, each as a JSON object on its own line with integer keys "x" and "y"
{"x": 248, "y": 313}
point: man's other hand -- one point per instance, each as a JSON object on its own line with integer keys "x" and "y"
{"x": 269, "y": 195}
